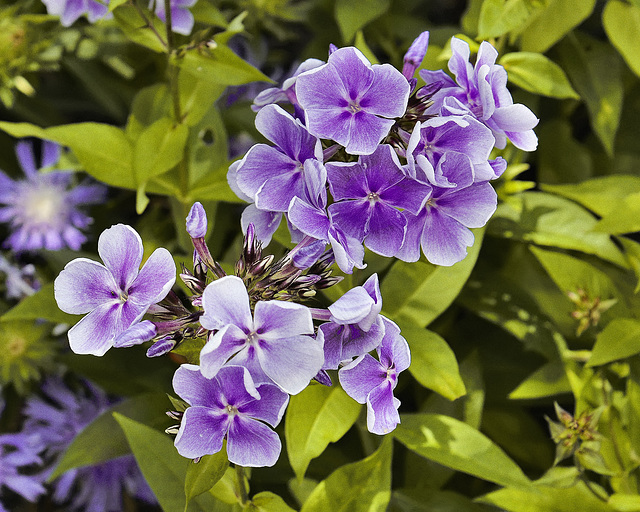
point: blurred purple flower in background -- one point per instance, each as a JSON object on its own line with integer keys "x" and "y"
{"x": 229, "y": 405}
{"x": 181, "y": 17}
{"x": 55, "y": 419}
{"x": 70, "y": 10}
{"x": 115, "y": 295}
{"x": 41, "y": 210}
{"x": 17, "y": 452}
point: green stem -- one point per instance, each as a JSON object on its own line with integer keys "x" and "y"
{"x": 242, "y": 489}
{"x": 148, "y": 23}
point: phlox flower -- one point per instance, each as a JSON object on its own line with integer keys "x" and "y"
{"x": 70, "y": 10}
{"x": 372, "y": 381}
{"x": 352, "y": 102}
{"x": 230, "y": 406}
{"x": 481, "y": 91}
{"x": 17, "y": 453}
{"x": 42, "y": 210}
{"x": 368, "y": 195}
{"x": 275, "y": 343}
{"x": 115, "y": 295}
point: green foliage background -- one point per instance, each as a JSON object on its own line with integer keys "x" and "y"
{"x": 543, "y": 310}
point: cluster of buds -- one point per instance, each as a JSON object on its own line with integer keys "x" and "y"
{"x": 577, "y": 436}
{"x": 588, "y": 310}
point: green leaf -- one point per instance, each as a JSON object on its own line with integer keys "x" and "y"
{"x": 561, "y": 158}
{"x": 548, "y": 380}
{"x": 116, "y": 3}
{"x": 625, "y": 502}
{"x": 204, "y": 474}
{"x": 621, "y": 22}
{"x": 163, "y": 468}
{"x": 353, "y": 15}
{"x": 550, "y": 499}
{"x": 456, "y": 445}
{"x": 537, "y": 74}
{"x": 584, "y": 59}
{"x": 433, "y": 363}
{"x": 362, "y": 45}
{"x": 557, "y": 19}
{"x": 601, "y": 195}
{"x": 497, "y": 17}
{"x": 618, "y": 340}
{"x": 363, "y": 486}
{"x": 40, "y": 305}
{"x": 419, "y": 500}
{"x": 417, "y": 293}
{"x": 624, "y": 218}
{"x": 159, "y": 147}
{"x": 102, "y": 440}
{"x": 269, "y": 502}
{"x": 548, "y": 220}
{"x": 149, "y": 105}
{"x": 136, "y": 29}
{"x": 632, "y": 253}
{"x": 317, "y": 416}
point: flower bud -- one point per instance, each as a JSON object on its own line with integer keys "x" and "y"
{"x": 197, "y": 221}
{"x": 415, "y": 54}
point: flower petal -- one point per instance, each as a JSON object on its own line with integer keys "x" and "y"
{"x": 221, "y": 346}
{"x": 195, "y": 388}
{"x": 251, "y": 443}
{"x": 362, "y": 375}
{"x": 275, "y": 319}
{"x": 120, "y": 247}
{"x": 201, "y": 432}
{"x": 225, "y": 301}
{"x": 155, "y": 279}
{"x": 382, "y": 410}
{"x": 84, "y": 285}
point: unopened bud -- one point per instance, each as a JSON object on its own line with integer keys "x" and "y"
{"x": 415, "y": 55}
{"x": 197, "y": 221}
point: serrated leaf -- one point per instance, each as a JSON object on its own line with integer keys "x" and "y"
{"x": 585, "y": 60}
{"x": 316, "y": 417}
{"x": 204, "y": 474}
{"x": 457, "y": 445}
{"x": 619, "y": 339}
{"x": 91, "y": 447}
{"x": 537, "y": 74}
{"x": 363, "y": 486}
{"x": 433, "y": 363}
{"x": 417, "y": 293}
{"x": 621, "y": 22}
{"x": 353, "y": 15}
{"x": 40, "y": 305}
{"x": 555, "y": 21}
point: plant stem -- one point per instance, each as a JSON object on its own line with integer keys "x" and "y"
{"x": 148, "y": 23}
{"x": 242, "y": 489}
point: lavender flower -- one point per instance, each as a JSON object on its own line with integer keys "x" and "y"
{"x": 368, "y": 194}
{"x": 55, "y": 420}
{"x": 372, "y": 381}
{"x": 415, "y": 55}
{"x": 41, "y": 210}
{"x": 457, "y": 203}
{"x": 20, "y": 281}
{"x": 117, "y": 294}
{"x": 352, "y": 102}
{"x": 18, "y": 452}
{"x": 181, "y": 17}
{"x": 70, "y": 10}
{"x": 275, "y": 344}
{"x": 229, "y": 405}
{"x": 481, "y": 91}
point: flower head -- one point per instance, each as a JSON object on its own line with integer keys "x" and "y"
{"x": 42, "y": 210}
{"x": 115, "y": 295}
{"x": 352, "y": 102}
{"x": 229, "y": 406}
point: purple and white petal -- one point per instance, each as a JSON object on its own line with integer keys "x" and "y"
{"x": 382, "y": 410}
{"x": 276, "y": 319}
{"x": 201, "y": 432}
{"x": 225, "y": 301}
{"x": 444, "y": 240}
{"x": 360, "y": 376}
{"x": 155, "y": 279}
{"x": 196, "y": 389}
{"x": 120, "y": 248}
{"x": 251, "y": 443}
{"x": 226, "y": 342}
{"x": 271, "y": 406}
{"x": 84, "y": 285}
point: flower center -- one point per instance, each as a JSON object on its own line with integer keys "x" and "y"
{"x": 43, "y": 205}
{"x": 232, "y": 410}
{"x": 373, "y": 197}
{"x": 354, "y": 107}
{"x": 252, "y": 338}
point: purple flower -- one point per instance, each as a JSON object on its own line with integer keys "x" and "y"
{"x": 439, "y": 135}
{"x": 372, "y": 381}
{"x": 42, "y": 210}
{"x": 181, "y": 17}
{"x": 272, "y": 176}
{"x": 481, "y": 91}
{"x": 70, "y": 10}
{"x": 20, "y": 281}
{"x": 117, "y": 294}
{"x": 352, "y": 102}
{"x": 197, "y": 221}
{"x": 456, "y": 203}
{"x": 368, "y": 194}
{"x": 229, "y": 405}
{"x": 18, "y": 452}
{"x": 355, "y": 325}
{"x": 275, "y": 344}
{"x": 55, "y": 419}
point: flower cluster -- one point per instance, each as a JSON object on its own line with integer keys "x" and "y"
{"x": 51, "y": 422}
{"x": 406, "y": 167}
